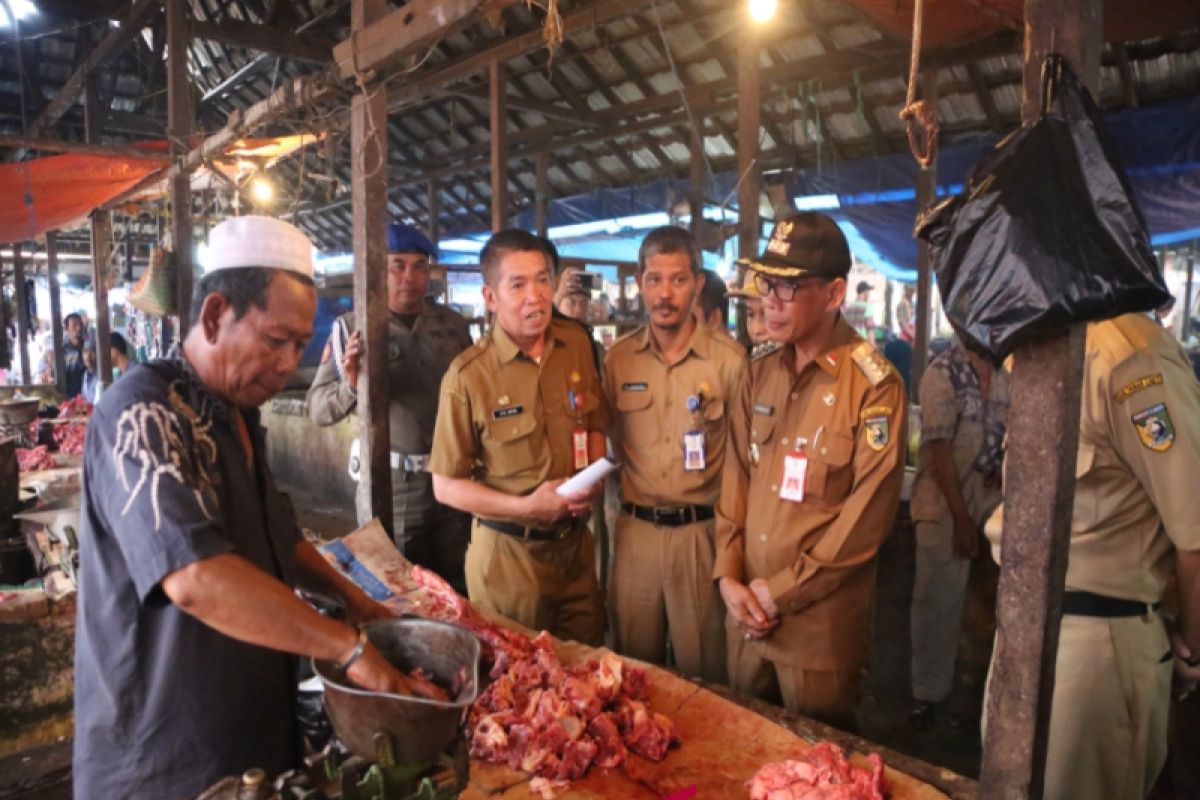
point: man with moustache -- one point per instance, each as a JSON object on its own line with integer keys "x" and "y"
{"x": 810, "y": 486}
{"x": 423, "y": 338}
{"x": 520, "y": 412}
{"x": 669, "y": 383}
{"x": 188, "y": 625}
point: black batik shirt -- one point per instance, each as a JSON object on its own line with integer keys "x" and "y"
{"x": 165, "y": 706}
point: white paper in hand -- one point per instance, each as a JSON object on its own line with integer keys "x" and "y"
{"x": 589, "y": 477}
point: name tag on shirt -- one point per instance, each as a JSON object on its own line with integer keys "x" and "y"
{"x": 765, "y": 410}
{"x": 634, "y": 387}
{"x": 795, "y": 473}
{"x": 510, "y": 411}
{"x": 693, "y": 451}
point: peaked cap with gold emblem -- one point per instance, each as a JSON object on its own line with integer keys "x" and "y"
{"x": 804, "y": 244}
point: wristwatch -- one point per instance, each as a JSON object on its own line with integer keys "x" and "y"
{"x": 355, "y": 654}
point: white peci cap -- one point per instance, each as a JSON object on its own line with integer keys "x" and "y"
{"x": 254, "y": 241}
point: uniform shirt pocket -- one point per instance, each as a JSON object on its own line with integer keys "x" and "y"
{"x": 762, "y": 439}
{"x": 830, "y": 475}
{"x": 511, "y": 445}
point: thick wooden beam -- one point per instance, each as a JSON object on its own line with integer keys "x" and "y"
{"x": 1039, "y": 488}
{"x": 59, "y": 146}
{"x": 541, "y": 194}
{"x": 22, "y": 301}
{"x": 368, "y": 190}
{"x": 432, "y": 208}
{"x": 697, "y": 177}
{"x": 265, "y": 39}
{"x": 180, "y": 122}
{"x": 1128, "y": 79}
{"x": 587, "y": 16}
{"x": 385, "y": 42}
{"x": 130, "y": 25}
{"x": 498, "y": 117}
{"x": 749, "y": 113}
{"x": 101, "y": 224}
{"x": 56, "y": 321}
{"x": 926, "y": 189}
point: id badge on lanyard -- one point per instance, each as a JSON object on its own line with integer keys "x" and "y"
{"x": 694, "y": 439}
{"x": 579, "y": 436}
{"x": 795, "y": 476}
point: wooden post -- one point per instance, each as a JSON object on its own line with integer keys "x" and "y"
{"x": 101, "y": 244}
{"x": 56, "y": 322}
{"x": 434, "y": 208}
{"x": 541, "y": 193}
{"x": 22, "y": 301}
{"x": 749, "y": 111}
{"x": 926, "y": 190}
{"x": 1187, "y": 293}
{"x": 6, "y": 357}
{"x": 698, "y": 177}
{"x": 180, "y": 112}
{"x": 499, "y": 145}
{"x": 368, "y": 192}
{"x": 1043, "y": 435}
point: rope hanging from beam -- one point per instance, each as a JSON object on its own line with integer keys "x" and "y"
{"x": 920, "y": 116}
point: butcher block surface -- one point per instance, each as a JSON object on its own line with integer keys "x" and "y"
{"x": 724, "y": 743}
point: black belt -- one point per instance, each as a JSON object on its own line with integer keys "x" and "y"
{"x": 669, "y": 516}
{"x": 525, "y": 532}
{"x": 1086, "y": 604}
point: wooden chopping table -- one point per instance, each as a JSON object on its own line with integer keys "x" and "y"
{"x": 726, "y": 737}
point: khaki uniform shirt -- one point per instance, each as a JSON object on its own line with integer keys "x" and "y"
{"x": 847, "y": 408}
{"x": 505, "y": 419}
{"x": 649, "y": 399}
{"x": 954, "y": 409}
{"x": 1137, "y": 496}
{"x": 417, "y": 360}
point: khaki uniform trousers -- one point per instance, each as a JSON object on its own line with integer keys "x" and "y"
{"x": 939, "y": 590}
{"x": 1108, "y": 719}
{"x": 662, "y": 586}
{"x": 544, "y": 585}
{"x": 830, "y": 696}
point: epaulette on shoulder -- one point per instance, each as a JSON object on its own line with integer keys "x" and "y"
{"x": 872, "y": 363}
{"x": 764, "y": 349}
{"x": 471, "y": 353}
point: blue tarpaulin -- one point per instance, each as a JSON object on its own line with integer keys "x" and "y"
{"x": 1158, "y": 145}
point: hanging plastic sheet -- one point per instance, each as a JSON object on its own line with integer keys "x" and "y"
{"x": 1046, "y": 232}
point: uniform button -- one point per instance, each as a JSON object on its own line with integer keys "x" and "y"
{"x": 824, "y": 450}
{"x": 762, "y": 537}
{"x": 774, "y": 488}
{"x": 753, "y": 434}
{"x": 783, "y": 441}
{"x": 795, "y": 396}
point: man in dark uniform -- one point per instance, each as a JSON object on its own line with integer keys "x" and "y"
{"x": 187, "y": 620}
{"x": 423, "y": 338}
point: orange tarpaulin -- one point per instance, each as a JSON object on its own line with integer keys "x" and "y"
{"x": 46, "y": 194}
{"x": 55, "y": 192}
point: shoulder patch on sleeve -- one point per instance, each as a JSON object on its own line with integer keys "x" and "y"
{"x": 871, "y": 362}
{"x": 763, "y": 350}
{"x": 1154, "y": 427}
{"x": 1133, "y": 387}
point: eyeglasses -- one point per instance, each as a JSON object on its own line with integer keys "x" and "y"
{"x": 785, "y": 290}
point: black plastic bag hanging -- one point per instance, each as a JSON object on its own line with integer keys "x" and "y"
{"x": 1046, "y": 232}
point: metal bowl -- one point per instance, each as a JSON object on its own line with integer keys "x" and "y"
{"x": 19, "y": 412}
{"x": 415, "y": 729}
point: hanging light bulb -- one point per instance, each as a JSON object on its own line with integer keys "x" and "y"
{"x": 262, "y": 191}
{"x": 762, "y": 10}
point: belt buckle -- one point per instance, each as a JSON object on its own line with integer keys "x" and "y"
{"x": 564, "y": 530}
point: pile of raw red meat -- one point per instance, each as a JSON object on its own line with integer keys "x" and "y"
{"x": 35, "y": 458}
{"x": 548, "y": 719}
{"x": 819, "y": 773}
{"x": 69, "y": 436}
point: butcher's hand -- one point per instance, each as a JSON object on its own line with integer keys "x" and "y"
{"x": 547, "y": 507}
{"x": 745, "y": 608}
{"x": 375, "y": 673}
{"x": 350, "y": 359}
{"x": 1187, "y": 665}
